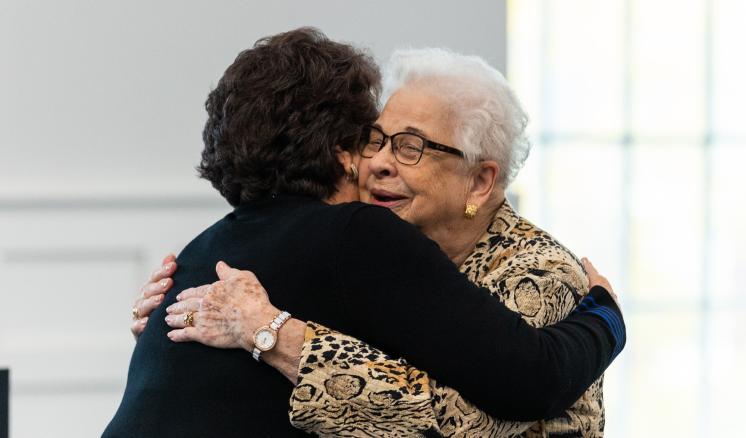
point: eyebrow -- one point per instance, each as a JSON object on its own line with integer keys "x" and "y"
{"x": 416, "y": 131}
{"x": 409, "y": 129}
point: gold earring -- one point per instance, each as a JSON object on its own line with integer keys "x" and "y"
{"x": 353, "y": 175}
{"x": 471, "y": 211}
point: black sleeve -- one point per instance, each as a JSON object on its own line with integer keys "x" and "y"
{"x": 403, "y": 295}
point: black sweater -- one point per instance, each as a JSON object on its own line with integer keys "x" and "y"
{"x": 363, "y": 271}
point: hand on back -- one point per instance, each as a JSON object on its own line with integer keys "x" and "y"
{"x": 152, "y": 294}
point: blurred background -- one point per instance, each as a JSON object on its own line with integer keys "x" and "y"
{"x": 638, "y": 159}
{"x": 638, "y": 163}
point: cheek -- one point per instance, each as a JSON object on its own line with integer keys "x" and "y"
{"x": 426, "y": 185}
{"x": 438, "y": 196}
{"x": 429, "y": 195}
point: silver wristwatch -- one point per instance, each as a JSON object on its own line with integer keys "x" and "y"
{"x": 265, "y": 338}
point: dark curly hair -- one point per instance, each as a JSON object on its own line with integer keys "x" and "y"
{"x": 279, "y": 111}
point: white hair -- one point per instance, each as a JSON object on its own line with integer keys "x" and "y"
{"x": 489, "y": 120}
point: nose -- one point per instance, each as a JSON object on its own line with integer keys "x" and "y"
{"x": 383, "y": 163}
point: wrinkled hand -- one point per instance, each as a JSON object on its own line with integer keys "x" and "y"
{"x": 225, "y": 313}
{"x": 596, "y": 279}
{"x": 152, "y": 294}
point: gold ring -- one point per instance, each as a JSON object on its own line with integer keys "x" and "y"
{"x": 189, "y": 319}
{"x": 135, "y": 313}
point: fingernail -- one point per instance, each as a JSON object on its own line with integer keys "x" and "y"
{"x": 158, "y": 298}
{"x": 144, "y": 320}
{"x": 178, "y": 297}
{"x": 164, "y": 283}
{"x": 169, "y": 308}
{"x": 221, "y": 265}
{"x": 167, "y": 267}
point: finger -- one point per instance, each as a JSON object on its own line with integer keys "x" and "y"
{"x": 184, "y": 306}
{"x": 184, "y": 335}
{"x": 225, "y": 272}
{"x": 145, "y": 307}
{"x": 194, "y": 292}
{"x": 160, "y": 287}
{"x": 138, "y": 326}
{"x": 589, "y": 268}
{"x": 164, "y": 271}
{"x": 176, "y": 320}
{"x": 169, "y": 258}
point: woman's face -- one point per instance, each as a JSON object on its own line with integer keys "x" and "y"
{"x": 432, "y": 193}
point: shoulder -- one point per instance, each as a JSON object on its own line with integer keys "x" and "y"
{"x": 533, "y": 273}
{"x": 539, "y": 253}
{"x": 203, "y": 240}
{"x": 377, "y": 223}
{"x": 529, "y": 269}
{"x": 374, "y": 233}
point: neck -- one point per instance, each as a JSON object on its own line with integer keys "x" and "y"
{"x": 458, "y": 242}
{"x": 459, "y": 239}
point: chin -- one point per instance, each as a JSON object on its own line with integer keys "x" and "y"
{"x": 401, "y": 210}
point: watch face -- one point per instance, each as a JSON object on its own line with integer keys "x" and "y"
{"x": 264, "y": 339}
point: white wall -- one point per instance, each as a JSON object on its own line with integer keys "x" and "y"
{"x": 100, "y": 129}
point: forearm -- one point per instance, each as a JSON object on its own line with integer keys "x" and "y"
{"x": 349, "y": 388}
{"x": 458, "y": 417}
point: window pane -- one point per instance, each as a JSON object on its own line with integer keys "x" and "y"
{"x": 585, "y": 74}
{"x": 668, "y": 81}
{"x": 526, "y": 62}
{"x": 664, "y": 374}
{"x": 727, "y": 258}
{"x": 528, "y": 187}
{"x": 726, "y": 360}
{"x": 583, "y": 197}
{"x": 666, "y": 222}
{"x": 729, "y": 66}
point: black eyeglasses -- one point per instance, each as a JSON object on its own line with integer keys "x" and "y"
{"x": 407, "y": 146}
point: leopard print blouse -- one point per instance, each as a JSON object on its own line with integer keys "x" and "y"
{"x": 349, "y": 388}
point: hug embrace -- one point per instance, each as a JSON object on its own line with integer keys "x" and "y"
{"x": 372, "y": 278}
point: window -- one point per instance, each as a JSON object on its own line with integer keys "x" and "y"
{"x": 639, "y": 163}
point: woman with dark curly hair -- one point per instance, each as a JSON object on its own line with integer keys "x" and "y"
{"x": 281, "y": 143}
{"x": 278, "y": 109}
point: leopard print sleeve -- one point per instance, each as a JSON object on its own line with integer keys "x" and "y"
{"x": 348, "y": 388}
{"x": 457, "y": 417}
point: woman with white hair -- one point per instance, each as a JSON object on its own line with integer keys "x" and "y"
{"x": 445, "y": 147}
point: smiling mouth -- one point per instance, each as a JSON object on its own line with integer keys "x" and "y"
{"x": 386, "y": 199}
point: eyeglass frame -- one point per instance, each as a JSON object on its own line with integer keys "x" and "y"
{"x": 426, "y": 143}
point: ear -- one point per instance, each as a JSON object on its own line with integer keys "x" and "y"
{"x": 345, "y": 158}
{"x": 483, "y": 181}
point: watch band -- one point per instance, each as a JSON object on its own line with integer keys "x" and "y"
{"x": 275, "y": 325}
